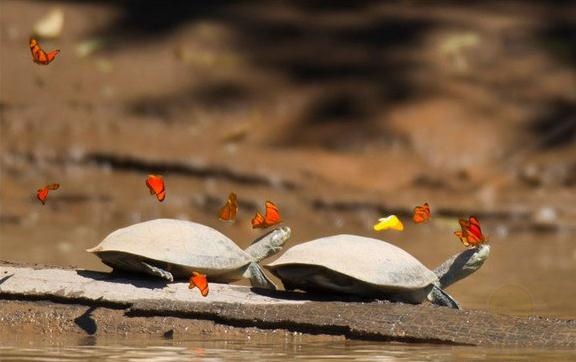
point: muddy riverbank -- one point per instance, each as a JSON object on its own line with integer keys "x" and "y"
{"x": 61, "y": 301}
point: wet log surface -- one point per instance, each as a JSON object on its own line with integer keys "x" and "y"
{"x": 244, "y": 307}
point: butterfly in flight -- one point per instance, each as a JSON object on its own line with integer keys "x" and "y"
{"x": 421, "y": 213}
{"x": 39, "y": 56}
{"x": 156, "y": 185}
{"x": 199, "y": 280}
{"x": 271, "y": 217}
{"x": 390, "y": 222}
{"x": 42, "y": 194}
{"x": 471, "y": 234}
{"x": 230, "y": 209}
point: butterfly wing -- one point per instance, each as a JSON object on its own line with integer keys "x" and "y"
{"x": 200, "y": 281}
{"x": 42, "y": 195}
{"x": 53, "y": 186}
{"x": 258, "y": 221}
{"x": 421, "y": 213}
{"x": 151, "y": 183}
{"x": 156, "y": 186}
{"x": 272, "y": 214}
{"x": 51, "y": 55}
{"x": 39, "y": 56}
{"x": 230, "y": 209}
{"x": 389, "y": 222}
{"x": 471, "y": 234}
{"x": 474, "y": 227}
{"x": 475, "y": 236}
{"x": 462, "y": 238}
{"x": 225, "y": 213}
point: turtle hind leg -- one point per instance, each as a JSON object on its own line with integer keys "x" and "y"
{"x": 257, "y": 277}
{"x": 159, "y": 272}
{"x": 440, "y": 297}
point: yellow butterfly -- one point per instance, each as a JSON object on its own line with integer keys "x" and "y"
{"x": 389, "y": 222}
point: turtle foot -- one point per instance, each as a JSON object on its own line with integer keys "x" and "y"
{"x": 150, "y": 269}
{"x": 440, "y": 297}
{"x": 257, "y": 277}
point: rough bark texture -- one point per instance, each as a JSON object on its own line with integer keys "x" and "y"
{"x": 242, "y": 307}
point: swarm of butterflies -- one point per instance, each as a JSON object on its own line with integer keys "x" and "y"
{"x": 470, "y": 235}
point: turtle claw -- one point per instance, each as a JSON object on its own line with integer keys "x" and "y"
{"x": 150, "y": 269}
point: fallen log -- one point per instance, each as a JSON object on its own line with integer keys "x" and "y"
{"x": 241, "y": 306}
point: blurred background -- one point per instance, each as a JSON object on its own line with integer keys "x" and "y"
{"x": 340, "y": 112}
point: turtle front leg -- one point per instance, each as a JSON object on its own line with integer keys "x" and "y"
{"x": 257, "y": 277}
{"x": 153, "y": 270}
{"x": 440, "y": 297}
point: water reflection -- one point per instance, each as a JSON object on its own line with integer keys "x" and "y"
{"x": 227, "y": 350}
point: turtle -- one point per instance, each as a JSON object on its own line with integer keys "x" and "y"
{"x": 170, "y": 248}
{"x": 368, "y": 267}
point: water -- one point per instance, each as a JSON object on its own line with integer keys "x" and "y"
{"x": 242, "y": 350}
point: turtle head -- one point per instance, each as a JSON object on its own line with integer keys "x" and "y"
{"x": 269, "y": 244}
{"x": 461, "y": 265}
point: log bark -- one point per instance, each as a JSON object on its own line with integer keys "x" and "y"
{"x": 245, "y": 307}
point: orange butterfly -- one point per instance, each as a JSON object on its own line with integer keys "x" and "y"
{"x": 230, "y": 209}
{"x": 471, "y": 234}
{"x": 42, "y": 194}
{"x": 272, "y": 217}
{"x": 199, "y": 280}
{"x": 421, "y": 213}
{"x": 156, "y": 185}
{"x": 39, "y": 56}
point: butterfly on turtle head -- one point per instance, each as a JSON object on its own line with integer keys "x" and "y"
{"x": 471, "y": 233}
{"x": 270, "y": 218}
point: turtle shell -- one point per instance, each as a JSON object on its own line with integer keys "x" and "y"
{"x": 176, "y": 244}
{"x": 365, "y": 260}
